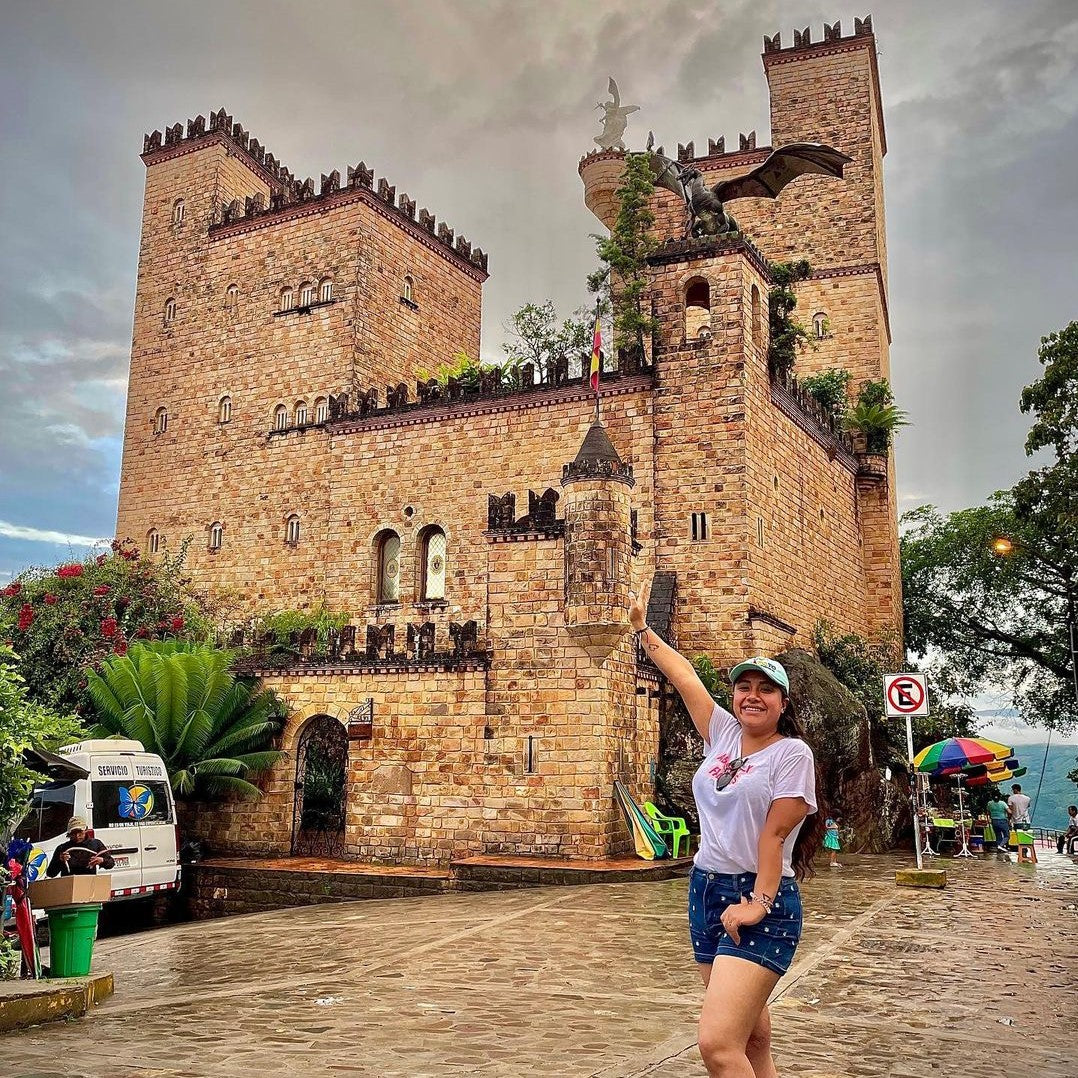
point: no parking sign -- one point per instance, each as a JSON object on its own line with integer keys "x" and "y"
{"x": 905, "y": 694}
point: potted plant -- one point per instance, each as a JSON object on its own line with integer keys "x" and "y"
{"x": 873, "y": 421}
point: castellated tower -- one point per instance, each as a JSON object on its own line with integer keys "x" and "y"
{"x": 769, "y": 531}
{"x": 598, "y": 555}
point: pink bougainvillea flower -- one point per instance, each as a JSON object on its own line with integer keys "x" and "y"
{"x": 50, "y": 599}
{"x": 66, "y": 571}
{"x": 108, "y": 628}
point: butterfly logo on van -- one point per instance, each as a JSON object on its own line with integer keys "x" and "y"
{"x": 136, "y": 802}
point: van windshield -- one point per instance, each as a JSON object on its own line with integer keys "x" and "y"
{"x": 51, "y": 806}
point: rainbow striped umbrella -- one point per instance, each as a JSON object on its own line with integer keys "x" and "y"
{"x": 957, "y": 753}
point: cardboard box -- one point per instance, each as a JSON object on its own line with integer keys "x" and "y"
{"x": 70, "y": 890}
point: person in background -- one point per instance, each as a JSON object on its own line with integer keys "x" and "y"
{"x": 1019, "y": 804}
{"x": 1068, "y": 837}
{"x": 831, "y": 841}
{"x": 80, "y": 855}
{"x": 1000, "y": 815}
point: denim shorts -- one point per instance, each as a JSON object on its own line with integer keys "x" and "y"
{"x": 770, "y": 943}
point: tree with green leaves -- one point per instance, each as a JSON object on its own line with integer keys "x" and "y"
{"x": 23, "y": 725}
{"x": 537, "y": 337}
{"x": 830, "y": 388}
{"x": 184, "y": 703}
{"x": 624, "y": 254}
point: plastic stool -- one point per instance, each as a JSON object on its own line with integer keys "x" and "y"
{"x": 1026, "y": 850}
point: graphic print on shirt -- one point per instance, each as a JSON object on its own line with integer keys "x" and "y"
{"x": 723, "y": 765}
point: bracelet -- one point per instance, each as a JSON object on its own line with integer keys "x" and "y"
{"x": 764, "y": 900}
{"x": 640, "y": 632}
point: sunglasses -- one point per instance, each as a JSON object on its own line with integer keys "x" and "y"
{"x": 727, "y": 777}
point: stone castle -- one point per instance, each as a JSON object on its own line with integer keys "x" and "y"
{"x": 487, "y": 693}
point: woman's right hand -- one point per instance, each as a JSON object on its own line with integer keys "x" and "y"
{"x": 638, "y": 606}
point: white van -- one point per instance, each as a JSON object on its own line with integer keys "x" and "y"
{"x": 124, "y": 795}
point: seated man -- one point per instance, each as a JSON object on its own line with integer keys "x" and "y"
{"x": 79, "y": 856}
{"x": 1071, "y": 834}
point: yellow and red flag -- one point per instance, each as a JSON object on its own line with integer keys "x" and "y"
{"x": 596, "y": 347}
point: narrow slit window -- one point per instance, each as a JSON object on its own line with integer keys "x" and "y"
{"x": 306, "y": 295}
{"x": 321, "y": 410}
{"x": 325, "y": 291}
{"x": 160, "y": 421}
{"x": 217, "y": 535}
{"x": 301, "y": 413}
{"x": 389, "y": 556}
{"x": 759, "y": 531}
{"x": 224, "y": 410}
{"x": 820, "y": 325}
{"x": 170, "y": 311}
{"x": 699, "y": 527}
{"x": 291, "y": 530}
{"x": 531, "y": 754}
{"x": 178, "y": 211}
{"x": 280, "y": 417}
{"x": 433, "y": 548}
{"x": 286, "y": 299}
{"x": 153, "y": 541}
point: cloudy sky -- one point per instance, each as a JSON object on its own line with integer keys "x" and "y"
{"x": 481, "y": 110}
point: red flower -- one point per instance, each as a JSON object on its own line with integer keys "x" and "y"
{"x": 177, "y": 623}
{"x": 108, "y": 628}
{"x": 102, "y": 558}
{"x": 120, "y": 647}
{"x": 66, "y": 571}
{"x": 50, "y": 599}
{"x": 102, "y": 589}
{"x": 26, "y": 617}
{"x": 12, "y": 589}
{"x": 142, "y": 632}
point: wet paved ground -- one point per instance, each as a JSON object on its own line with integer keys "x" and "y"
{"x": 589, "y": 982}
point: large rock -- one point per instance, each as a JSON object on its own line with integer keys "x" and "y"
{"x": 852, "y": 757}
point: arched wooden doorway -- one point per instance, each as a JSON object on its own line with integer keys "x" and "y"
{"x": 321, "y": 788}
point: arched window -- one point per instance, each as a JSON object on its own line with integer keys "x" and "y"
{"x": 407, "y": 290}
{"x": 321, "y": 410}
{"x": 153, "y": 541}
{"x": 178, "y": 210}
{"x": 232, "y": 297}
{"x": 756, "y": 314}
{"x": 820, "y": 325}
{"x": 160, "y": 421}
{"x": 170, "y": 311}
{"x": 280, "y": 417}
{"x": 697, "y": 307}
{"x": 286, "y": 299}
{"x": 291, "y": 530}
{"x": 389, "y": 567}
{"x": 217, "y": 535}
{"x": 325, "y": 291}
{"x": 301, "y": 413}
{"x": 306, "y": 294}
{"x": 432, "y": 563}
{"x": 224, "y": 410}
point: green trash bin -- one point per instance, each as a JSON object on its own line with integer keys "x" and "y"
{"x": 72, "y": 930}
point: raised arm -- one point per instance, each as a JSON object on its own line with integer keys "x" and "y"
{"x": 678, "y": 670}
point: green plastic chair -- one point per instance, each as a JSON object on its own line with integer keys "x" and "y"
{"x": 670, "y": 827}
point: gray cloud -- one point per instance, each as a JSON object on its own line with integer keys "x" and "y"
{"x": 480, "y": 111}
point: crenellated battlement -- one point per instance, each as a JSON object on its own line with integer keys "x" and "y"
{"x": 287, "y": 192}
{"x": 221, "y": 127}
{"x": 832, "y": 35}
{"x": 686, "y": 153}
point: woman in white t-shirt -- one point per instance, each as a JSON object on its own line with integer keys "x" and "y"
{"x": 754, "y": 791}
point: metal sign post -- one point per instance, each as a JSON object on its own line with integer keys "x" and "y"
{"x": 907, "y": 695}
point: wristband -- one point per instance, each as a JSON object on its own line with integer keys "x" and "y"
{"x": 640, "y": 632}
{"x": 763, "y": 900}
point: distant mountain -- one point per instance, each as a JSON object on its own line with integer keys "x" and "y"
{"x": 1057, "y": 791}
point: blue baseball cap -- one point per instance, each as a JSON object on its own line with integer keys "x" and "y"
{"x": 768, "y": 667}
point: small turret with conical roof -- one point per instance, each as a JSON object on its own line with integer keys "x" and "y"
{"x": 598, "y": 543}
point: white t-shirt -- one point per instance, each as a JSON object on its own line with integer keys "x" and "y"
{"x": 1019, "y": 808}
{"x": 731, "y": 820}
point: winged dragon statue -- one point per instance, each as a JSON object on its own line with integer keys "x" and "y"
{"x": 706, "y": 205}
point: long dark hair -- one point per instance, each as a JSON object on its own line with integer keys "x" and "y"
{"x": 812, "y": 830}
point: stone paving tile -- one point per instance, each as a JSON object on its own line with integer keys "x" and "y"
{"x": 593, "y": 982}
